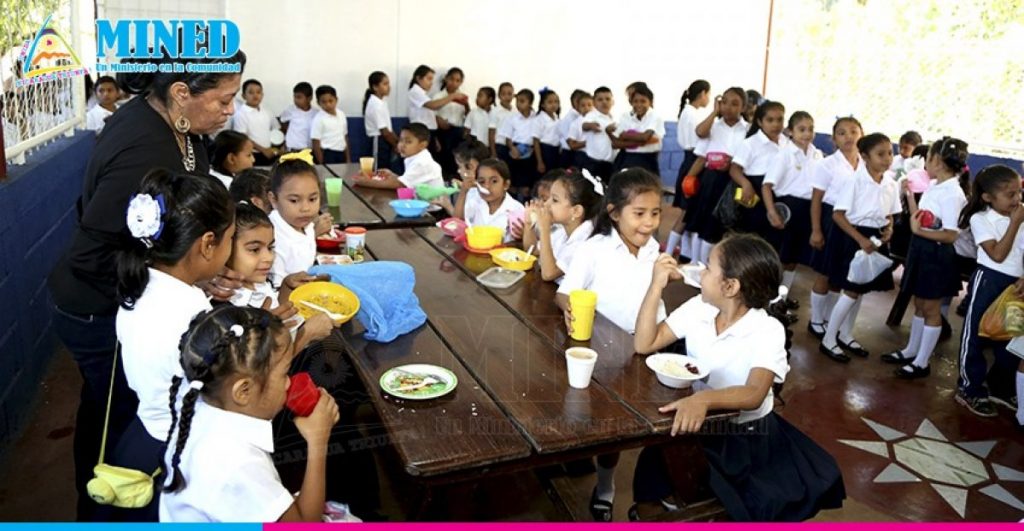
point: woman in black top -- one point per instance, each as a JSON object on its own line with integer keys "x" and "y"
{"x": 159, "y": 128}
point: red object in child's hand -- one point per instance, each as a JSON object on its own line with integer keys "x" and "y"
{"x": 303, "y": 395}
{"x": 690, "y": 185}
{"x": 928, "y": 220}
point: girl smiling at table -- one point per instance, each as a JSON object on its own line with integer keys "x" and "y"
{"x": 563, "y": 221}
{"x": 295, "y": 194}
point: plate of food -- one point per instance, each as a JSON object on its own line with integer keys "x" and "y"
{"x": 334, "y": 259}
{"x": 676, "y": 370}
{"x": 418, "y": 382}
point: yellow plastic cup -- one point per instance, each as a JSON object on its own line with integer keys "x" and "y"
{"x": 366, "y": 165}
{"x": 583, "y": 304}
{"x": 334, "y": 187}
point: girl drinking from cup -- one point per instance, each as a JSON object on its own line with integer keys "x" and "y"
{"x": 563, "y": 222}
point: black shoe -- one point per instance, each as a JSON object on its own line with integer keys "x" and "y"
{"x": 792, "y": 304}
{"x": 835, "y": 353}
{"x": 961, "y": 309}
{"x": 1007, "y": 402}
{"x": 896, "y": 358}
{"x": 816, "y": 329}
{"x": 599, "y": 509}
{"x": 633, "y": 514}
{"x": 853, "y": 347}
{"x": 947, "y": 330}
{"x": 980, "y": 406}
{"x": 913, "y": 372}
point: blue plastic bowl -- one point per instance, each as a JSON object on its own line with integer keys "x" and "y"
{"x": 409, "y": 208}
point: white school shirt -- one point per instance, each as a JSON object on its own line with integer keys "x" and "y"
{"x": 989, "y": 225}
{"x": 599, "y": 145}
{"x": 563, "y": 245}
{"x": 418, "y": 114}
{"x": 229, "y": 474}
{"x": 756, "y": 341}
{"x": 500, "y": 116}
{"x": 299, "y": 123}
{"x": 376, "y": 116}
{"x": 225, "y": 179}
{"x": 255, "y": 123}
{"x": 330, "y": 130}
{"x": 832, "y": 173}
{"x": 945, "y": 200}
{"x": 791, "y": 171}
{"x": 453, "y": 113}
{"x": 545, "y": 128}
{"x": 603, "y": 264}
{"x": 897, "y": 162}
{"x": 421, "y": 169}
{"x": 96, "y": 118}
{"x": 150, "y": 335}
{"x": 518, "y": 128}
{"x": 478, "y": 213}
{"x": 650, "y": 122}
{"x": 565, "y": 127}
{"x": 723, "y": 138}
{"x": 964, "y": 244}
{"x": 867, "y": 203}
{"x": 294, "y": 251}
{"x": 686, "y": 128}
{"x": 756, "y": 153}
{"x": 479, "y": 124}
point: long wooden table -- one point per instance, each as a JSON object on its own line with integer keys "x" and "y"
{"x": 377, "y": 200}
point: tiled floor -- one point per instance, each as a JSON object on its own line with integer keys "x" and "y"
{"x": 907, "y": 451}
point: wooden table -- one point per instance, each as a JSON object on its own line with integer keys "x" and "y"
{"x": 377, "y": 200}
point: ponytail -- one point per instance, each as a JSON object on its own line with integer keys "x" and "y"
{"x": 375, "y": 78}
{"x": 692, "y": 92}
{"x": 188, "y": 410}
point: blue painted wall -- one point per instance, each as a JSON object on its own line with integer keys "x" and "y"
{"x": 37, "y": 217}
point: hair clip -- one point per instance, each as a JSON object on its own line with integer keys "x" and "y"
{"x": 237, "y": 330}
{"x": 598, "y": 187}
{"x": 196, "y": 385}
{"x": 144, "y": 217}
{"x": 305, "y": 156}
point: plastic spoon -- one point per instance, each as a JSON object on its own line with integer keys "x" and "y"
{"x": 333, "y": 316}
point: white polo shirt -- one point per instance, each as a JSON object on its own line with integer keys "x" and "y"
{"x": 96, "y": 118}
{"x": 330, "y": 130}
{"x": 686, "y": 128}
{"x": 500, "y": 115}
{"x": 229, "y": 474}
{"x": 867, "y": 203}
{"x": 649, "y": 122}
{"x": 453, "y": 113}
{"x": 563, "y": 245}
{"x": 421, "y": 169}
{"x": 830, "y": 175}
{"x": 603, "y": 264}
{"x": 756, "y": 153}
{"x": 294, "y": 251}
{"x": 376, "y": 116}
{"x": 599, "y": 145}
{"x": 545, "y": 128}
{"x": 518, "y": 128}
{"x": 989, "y": 225}
{"x": 791, "y": 172}
{"x": 150, "y": 335}
{"x": 565, "y": 127}
{"x": 255, "y": 123}
{"x": 724, "y": 138}
{"x": 418, "y": 114}
{"x": 479, "y": 124}
{"x": 299, "y": 124}
{"x": 756, "y": 341}
{"x": 478, "y": 213}
{"x": 945, "y": 200}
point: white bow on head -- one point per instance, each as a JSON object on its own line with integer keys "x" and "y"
{"x": 598, "y": 187}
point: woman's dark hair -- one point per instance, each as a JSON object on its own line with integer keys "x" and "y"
{"x": 752, "y": 261}
{"x": 417, "y": 130}
{"x": 304, "y": 88}
{"x": 323, "y": 90}
{"x": 527, "y": 93}
{"x": 695, "y": 89}
{"x": 226, "y": 143}
{"x": 987, "y": 181}
{"x": 281, "y": 171}
{"x": 543, "y": 94}
{"x": 581, "y": 191}
{"x": 159, "y": 83}
{"x": 471, "y": 150}
{"x": 249, "y": 216}
{"x": 645, "y": 91}
{"x": 797, "y": 117}
{"x": 247, "y": 82}
{"x": 248, "y": 184}
{"x": 418, "y": 74}
{"x": 846, "y": 119}
{"x": 451, "y": 71}
{"x": 374, "y": 80}
{"x": 489, "y": 91}
{"x": 759, "y": 114}
{"x": 498, "y": 166}
{"x": 212, "y": 352}
{"x": 867, "y": 143}
{"x": 625, "y": 186}
{"x": 192, "y": 206}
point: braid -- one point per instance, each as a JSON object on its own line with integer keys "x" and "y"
{"x": 188, "y": 409}
{"x": 172, "y": 401}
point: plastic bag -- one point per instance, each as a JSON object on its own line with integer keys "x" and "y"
{"x": 727, "y": 210}
{"x": 866, "y": 267}
{"x": 1004, "y": 319}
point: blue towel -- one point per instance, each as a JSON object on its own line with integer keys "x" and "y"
{"x": 388, "y": 307}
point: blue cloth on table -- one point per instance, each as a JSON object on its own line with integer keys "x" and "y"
{"x": 388, "y": 307}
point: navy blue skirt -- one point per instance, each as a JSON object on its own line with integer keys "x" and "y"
{"x": 840, "y": 248}
{"x": 388, "y": 158}
{"x": 599, "y": 168}
{"x": 501, "y": 150}
{"x": 524, "y": 171}
{"x": 679, "y": 200}
{"x": 755, "y": 218}
{"x": 819, "y": 258}
{"x": 551, "y": 157}
{"x": 701, "y": 212}
{"x": 794, "y": 242}
{"x": 931, "y": 270}
{"x": 647, "y": 161}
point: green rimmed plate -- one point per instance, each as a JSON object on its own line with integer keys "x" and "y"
{"x": 418, "y": 382}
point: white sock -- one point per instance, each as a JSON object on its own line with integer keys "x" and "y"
{"x": 705, "y": 251}
{"x": 819, "y": 302}
{"x": 838, "y": 315}
{"x": 1020, "y": 395}
{"x": 929, "y": 338}
{"x": 694, "y": 244}
{"x": 830, "y": 304}
{"x": 606, "y": 483}
{"x": 787, "y": 279}
{"x": 914, "y": 343}
{"x": 846, "y": 328}
{"x": 673, "y": 242}
{"x": 684, "y": 245}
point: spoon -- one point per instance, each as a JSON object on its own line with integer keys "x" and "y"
{"x": 333, "y": 316}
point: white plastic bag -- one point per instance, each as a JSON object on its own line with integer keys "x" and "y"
{"x": 866, "y": 267}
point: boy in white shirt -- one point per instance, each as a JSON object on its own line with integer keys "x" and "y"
{"x": 420, "y": 167}
{"x": 256, "y": 122}
{"x": 501, "y": 112}
{"x": 106, "y": 104}
{"x": 297, "y": 120}
{"x": 329, "y": 131}
{"x": 596, "y": 126}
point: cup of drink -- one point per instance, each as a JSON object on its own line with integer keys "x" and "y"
{"x": 407, "y": 193}
{"x": 582, "y": 303}
{"x": 333, "y": 186}
{"x": 366, "y": 165}
{"x": 580, "y": 363}
{"x": 355, "y": 243}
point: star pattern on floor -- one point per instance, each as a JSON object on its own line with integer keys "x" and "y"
{"x": 951, "y": 468}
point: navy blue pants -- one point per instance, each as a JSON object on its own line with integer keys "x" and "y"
{"x": 333, "y": 157}
{"x": 985, "y": 287}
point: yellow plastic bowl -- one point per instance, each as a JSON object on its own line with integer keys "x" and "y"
{"x": 514, "y": 259}
{"x": 334, "y": 297}
{"x": 484, "y": 237}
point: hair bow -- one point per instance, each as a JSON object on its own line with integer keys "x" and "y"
{"x": 305, "y": 156}
{"x": 144, "y": 217}
{"x": 598, "y": 187}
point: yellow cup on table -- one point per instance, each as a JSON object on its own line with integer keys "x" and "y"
{"x": 366, "y": 165}
{"x": 583, "y": 304}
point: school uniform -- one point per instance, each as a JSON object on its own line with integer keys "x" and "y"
{"x": 421, "y": 169}
{"x": 603, "y": 264}
{"x": 645, "y": 156}
{"x": 564, "y": 127}
{"x": 519, "y": 129}
{"x": 686, "y": 136}
{"x": 829, "y": 176}
{"x": 756, "y": 155}
{"x": 599, "y": 150}
{"x": 790, "y": 175}
{"x": 224, "y": 179}
{"x": 330, "y": 130}
{"x": 478, "y": 213}
{"x": 96, "y": 118}
{"x": 228, "y": 471}
{"x": 546, "y": 132}
{"x": 868, "y": 206}
{"x": 762, "y": 468}
{"x": 479, "y": 123}
{"x": 294, "y": 251}
{"x": 930, "y": 271}
{"x": 578, "y": 157}
{"x": 377, "y": 116}
{"x": 257, "y": 124}
{"x": 418, "y": 114}
{"x": 723, "y": 139}
{"x": 500, "y": 115}
{"x": 966, "y": 253}
{"x": 989, "y": 280}
{"x": 455, "y": 114}
{"x": 299, "y": 123}
{"x": 564, "y": 245}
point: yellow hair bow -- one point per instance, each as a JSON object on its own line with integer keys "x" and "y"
{"x": 305, "y": 156}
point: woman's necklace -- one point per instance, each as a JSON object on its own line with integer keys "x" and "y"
{"x": 188, "y": 155}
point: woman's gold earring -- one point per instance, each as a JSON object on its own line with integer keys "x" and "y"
{"x": 182, "y": 124}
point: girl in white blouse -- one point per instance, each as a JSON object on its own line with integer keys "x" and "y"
{"x": 377, "y": 121}
{"x": 694, "y": 97}
{"x": 751, "y": 161}
{"x": 422, "y": 109}
{"x": 563, "y": 221}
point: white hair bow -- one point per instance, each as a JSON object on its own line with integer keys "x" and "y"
{"x": 598, "y": 187}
